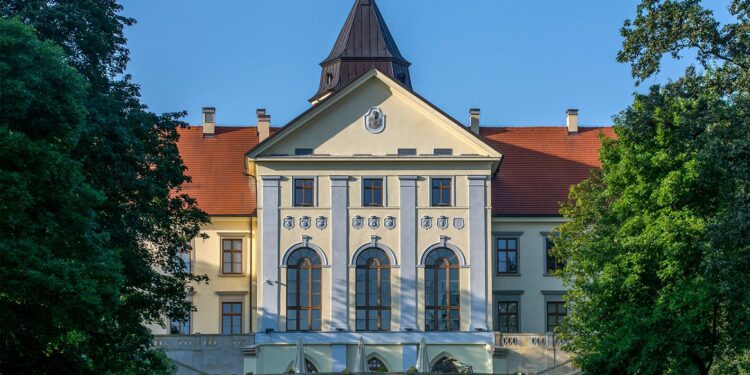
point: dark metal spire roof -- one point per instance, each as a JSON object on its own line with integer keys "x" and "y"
{"x": 364, "y": 43}
{"x": 365, "y": 34}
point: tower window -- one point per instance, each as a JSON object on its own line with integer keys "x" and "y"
{"x": 401, "y": 77}
{"x": 329, "y": 79}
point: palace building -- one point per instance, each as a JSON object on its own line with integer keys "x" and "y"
{"x": 375, "y": 217}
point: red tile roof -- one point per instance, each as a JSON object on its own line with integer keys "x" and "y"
{"x": 539, "y": 166}
{"x": 217, "y": 168}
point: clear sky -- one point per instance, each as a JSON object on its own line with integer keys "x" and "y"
{"x": 521, "y": 62}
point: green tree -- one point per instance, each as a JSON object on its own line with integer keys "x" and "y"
{"x": 128, "y": 156}
{"x": 659, "y": 264}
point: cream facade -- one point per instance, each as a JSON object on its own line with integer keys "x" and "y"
{"x": 373, "y": 220}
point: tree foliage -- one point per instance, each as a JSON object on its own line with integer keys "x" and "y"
{"x": 659, "y": 263}
{"x": 123, "y": 162}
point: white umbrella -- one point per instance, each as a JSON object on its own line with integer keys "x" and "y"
{"x": 299, "y": 358}
{"x": 359, "y": 364}
{"x": 423, "y": 363}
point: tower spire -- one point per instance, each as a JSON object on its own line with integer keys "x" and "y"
{"x": 364, "y": 42}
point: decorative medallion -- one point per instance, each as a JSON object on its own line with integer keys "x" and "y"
{"x": 458, "y": 223}
{"x": 358, "y": 222}
{"x": 288, "y": 223}
{"x": 305, "y": 222}
{"x": 426, "y": 222}
{"x": 375, "y": 120}
{"x": 321, "y": 222}
{"x": 373, "y": 222}
{"x": 389, "y": 222}
{"x": 442, "y": 222}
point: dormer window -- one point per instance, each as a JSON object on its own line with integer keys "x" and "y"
{"x": 329, "y": 79}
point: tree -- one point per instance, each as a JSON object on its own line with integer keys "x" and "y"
{"x": 128, "y": 156}
{"x": 659, "y": 265}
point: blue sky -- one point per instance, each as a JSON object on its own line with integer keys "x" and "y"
{"x": 521, "y": 62}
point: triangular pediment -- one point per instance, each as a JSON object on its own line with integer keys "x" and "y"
{"x": 337, "y": 126}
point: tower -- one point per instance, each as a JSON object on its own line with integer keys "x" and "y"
{"x": 364, "y": 43}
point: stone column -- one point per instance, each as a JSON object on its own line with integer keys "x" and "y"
{"x": 478, "y": 251}
{"x": 408, "y": 243}
{"x": 339, "y": 249}
{"x": 269, "y": 224}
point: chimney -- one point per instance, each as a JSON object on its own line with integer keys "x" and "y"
{"x": 572, "y": 121}
{"x": 264, "y": 124}
{"x": 209, "y": 121}
{"x": 474, "y": 119}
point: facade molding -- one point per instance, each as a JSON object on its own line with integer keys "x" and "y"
{"x": 439, "y": 245}
{"x": 304, "y": 245}
{"x": 376, "y": 245}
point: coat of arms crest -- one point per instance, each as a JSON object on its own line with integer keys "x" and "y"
{"x": 288, "y": 223}
{"x": 426, "y": 222}
{"x": 304, "y": 222}
{"x": 373, "y": 222}
{"x": 442, "y": 222}
{"x": 375, "y": 120}
{"x": 389, "y": 222}
{"x": 458, "y": 223}
{"x": 321, "y": 222}
{"x": 358, "y": 222}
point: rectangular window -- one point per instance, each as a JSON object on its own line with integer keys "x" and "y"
{"x": 304, "y": 192}
{"x": 231, "y": 250}
{"x": 185, "y": 255}
{"x": 441, "y": 192}
{"x": 179, "y": 327}
{"x": 507, "y": 316}
{"x": 231, "y": 318}
{"x": 552, "y": 263}
{"x": 372, "y": 192}
{"x": 507, "y": 255}
{"x": 407, "y": 151}
{"x": 556, "y": 312}
{"x": 303, "y": 151}
{"x": 443, "y": 151}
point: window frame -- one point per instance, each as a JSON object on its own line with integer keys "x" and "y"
{"x": 314, "y": 197}
{"x": 232, "y": 239}
{"x": 506, "y": 237}
{"x": 379, "y": 307}
{"x": 553, "y": 296}
{"x": 506, "y": 296}
{"x": 182, "y": 325}
{"x": 231, "y": 315}
{"x": 546, "y": 237}
{"x": 435, "y": 306}
{"x": 191, "y": 254}
{"x": 451, "y": 194}
{"x": 383, "y": 188}
{"x": 297, "y": 307}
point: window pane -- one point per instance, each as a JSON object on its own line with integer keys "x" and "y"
{"x": 291, "y": 320}
{"x": 430, "y": 321}
{"x": 512, "y": 244}
{"x": 303, "y": 321}
{"x": 316, "y": 320}
{"x": 227, "y": 244}
{"x": 226, "y": 325}
{"x": 236, "y": 308}
{"x": 385, "y": 322}
{"x": 455, "y": 322}
{"x": 236, "y": 324}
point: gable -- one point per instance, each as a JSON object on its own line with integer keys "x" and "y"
{"x": 336, "y": 127}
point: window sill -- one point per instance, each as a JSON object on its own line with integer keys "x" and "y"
{"x": 232, "y": 275}
{"x": 550, "y": 275}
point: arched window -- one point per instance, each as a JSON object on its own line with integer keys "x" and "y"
{"x": 445, "y": 365}
{"x": 374, "y": 364}
{"x": 303, "y": 291}
{"x": 442, "y": 302}
{"x": 310, "y": 367}
{"x": 373, "y": 291}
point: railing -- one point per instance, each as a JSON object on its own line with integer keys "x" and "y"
{"x": 201, "y": 341}
{"x": 528, "y": 340}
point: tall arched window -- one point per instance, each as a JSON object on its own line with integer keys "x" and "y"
{"x": 442, "y": 302}
{"x": 373, "y": 291}
{"x": 303, "y": 291}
